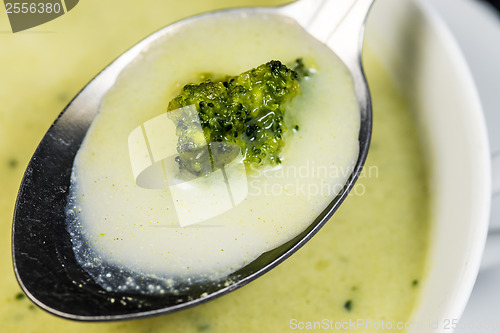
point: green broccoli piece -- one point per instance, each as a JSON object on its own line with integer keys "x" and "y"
{"x": 242, "y": 112}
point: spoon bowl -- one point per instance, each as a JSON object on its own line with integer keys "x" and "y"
{"x": 44, "y": 262}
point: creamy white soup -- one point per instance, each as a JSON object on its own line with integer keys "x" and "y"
{"x": 192, "y": 229}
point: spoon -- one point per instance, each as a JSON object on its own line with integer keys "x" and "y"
{"x": 44, "y": 262}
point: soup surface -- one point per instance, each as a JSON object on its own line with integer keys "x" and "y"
{"x": 115, "y": 221}
{"x": 367, "y": 263}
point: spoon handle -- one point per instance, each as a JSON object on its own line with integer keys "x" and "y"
{"x": 339, "y": 24}
{"x": 346, "y": 38}
{"x": 324, "y": 18}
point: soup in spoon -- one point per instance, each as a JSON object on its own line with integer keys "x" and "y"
{"x": 140, "y": 224}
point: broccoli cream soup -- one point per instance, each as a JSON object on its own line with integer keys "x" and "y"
{"x": 367, "y": 263}
{"x": 208, "y": 226}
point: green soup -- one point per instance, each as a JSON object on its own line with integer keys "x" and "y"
{"x": 365, "y": 266}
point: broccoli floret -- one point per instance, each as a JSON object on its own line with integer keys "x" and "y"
{"x": 245, "y": 111}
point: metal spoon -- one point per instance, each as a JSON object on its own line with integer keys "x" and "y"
{"x": 44, "y": 262}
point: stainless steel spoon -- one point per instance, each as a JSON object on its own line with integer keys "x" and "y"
{"x": 44, "y": 262}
